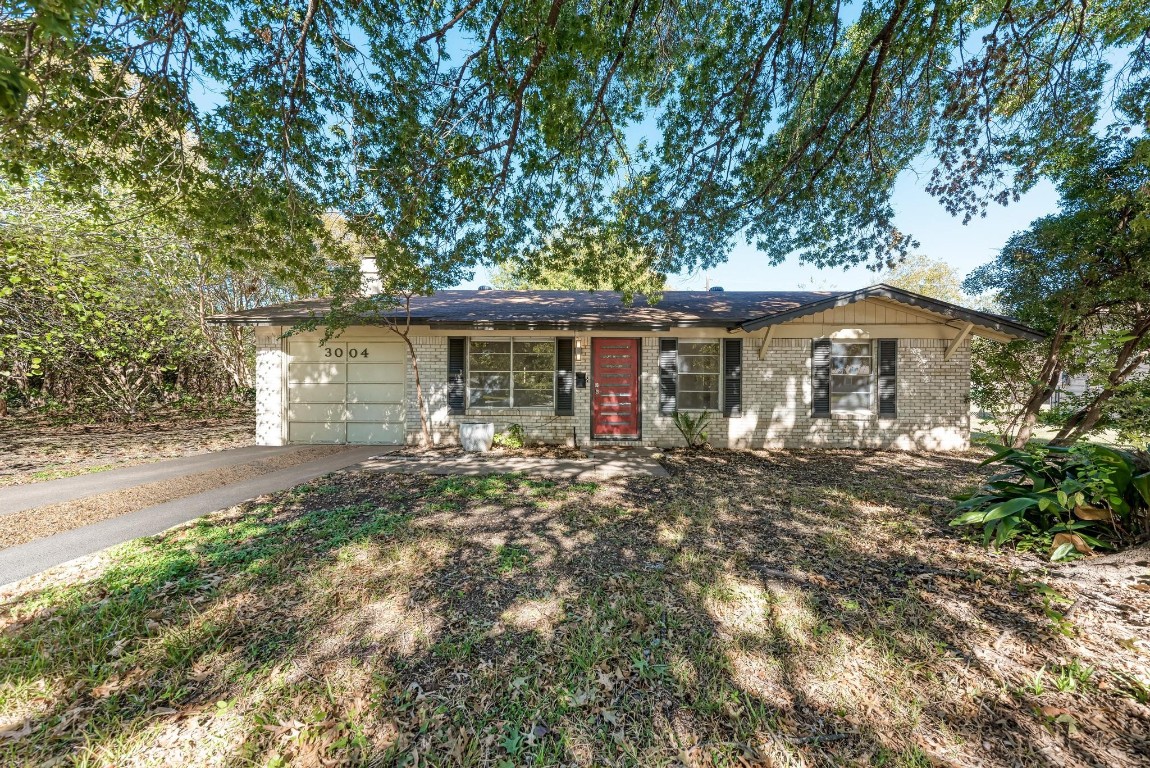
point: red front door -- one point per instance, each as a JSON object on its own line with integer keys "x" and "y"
{"x": 615, "y": 387}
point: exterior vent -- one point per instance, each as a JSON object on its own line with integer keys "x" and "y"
{"x": 716, "y": 289}
{"x": 485, "y": 287}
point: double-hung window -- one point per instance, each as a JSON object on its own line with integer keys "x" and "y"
{"x": 852, "y": 380}
{"x": 700, "y": 369}
{"x": 511, "y": 373}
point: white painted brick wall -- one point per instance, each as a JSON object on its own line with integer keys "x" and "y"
{"x": 540, "y": 426}
{"x": 270, "y": 362}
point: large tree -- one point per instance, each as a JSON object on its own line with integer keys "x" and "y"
{"x": 481, "y": 130}
{"x": 930, "y": 277}
{"x": 1083, "y": 276}
{"x": 591, "y": 263}
{"x": 98, "y": 315}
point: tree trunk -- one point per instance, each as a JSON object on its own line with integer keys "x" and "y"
{"x": 405, "y": 334}
{"x": 1043, "y": 388}
{"x": 424, "y": 427}
{"x": 1084, "y": 420}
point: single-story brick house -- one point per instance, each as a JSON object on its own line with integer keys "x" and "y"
{"x": 876, "y": 368}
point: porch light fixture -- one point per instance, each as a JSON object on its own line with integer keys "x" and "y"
{"x": 580, "y": 345}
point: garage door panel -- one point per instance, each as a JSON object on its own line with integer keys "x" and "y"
{"x": 373, "y": 373}
{"x": 308, "y": 432}
{"x": 375, "y": 393}
{"x": 375, "y": 434}
{"x": 316, "y": 373}
{"x": 382, "y": 412}
{"x": 346, "y": 391}
{"x": 316, "y": 393}
{"x": 311, "y": 351}
{"x": 316, "y": 412}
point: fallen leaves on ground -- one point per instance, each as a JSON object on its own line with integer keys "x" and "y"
{"x": 32, "y": 450}
{"x": 779, "y": 609}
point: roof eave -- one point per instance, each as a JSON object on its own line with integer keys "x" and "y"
{"x": 999, "y": 325}
{"x": 489, "y": 325}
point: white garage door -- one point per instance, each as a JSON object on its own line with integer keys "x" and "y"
{"x": 345, "y": 392}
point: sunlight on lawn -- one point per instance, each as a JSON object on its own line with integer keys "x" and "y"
{"x": 750, "y": 610}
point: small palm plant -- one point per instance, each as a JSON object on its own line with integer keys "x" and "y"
{"x": 693, "y": 428}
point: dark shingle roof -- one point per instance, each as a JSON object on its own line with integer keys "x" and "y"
{"x": 606, "y": 310}
{"x": 563, "y": 309}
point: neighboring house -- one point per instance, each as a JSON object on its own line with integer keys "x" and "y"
{"x": 1068, "y": 386}
{"x": 874, "y": 368}
{"x": 1077, "y": 385}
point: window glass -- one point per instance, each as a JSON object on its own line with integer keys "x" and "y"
{"x": 852, "y": 368}
{"x": 699, "y": 368}
{"x": 511, "y": 374}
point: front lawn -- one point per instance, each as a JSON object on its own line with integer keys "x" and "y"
{"x": 782, "y": 610}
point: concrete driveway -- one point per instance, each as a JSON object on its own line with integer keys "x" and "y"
{"x": 18, "y": 562}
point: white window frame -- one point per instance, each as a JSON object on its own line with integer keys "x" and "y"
{"x": 679, "y": 373}
{"x": 872, "y": 376}
{"x": 472, "y": 407}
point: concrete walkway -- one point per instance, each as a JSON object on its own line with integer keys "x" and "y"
{"x": 17, "y": 498}
{"x": 597, "y": 467}
{"x": 27, "y": 559}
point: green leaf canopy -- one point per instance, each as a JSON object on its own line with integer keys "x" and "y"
{"x": 488, "y": 130}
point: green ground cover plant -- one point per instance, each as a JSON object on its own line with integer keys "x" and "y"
{"x": 1073, "y": 499}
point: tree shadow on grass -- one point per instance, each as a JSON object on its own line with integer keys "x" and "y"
{"x": 767, "y": 610}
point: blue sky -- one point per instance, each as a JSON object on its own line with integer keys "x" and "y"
{"x": 941, "y": 236}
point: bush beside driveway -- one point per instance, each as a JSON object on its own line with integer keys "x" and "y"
{"x": 777, "y": 609}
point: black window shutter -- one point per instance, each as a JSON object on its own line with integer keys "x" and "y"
{"x": 456, "y": 367}
{"x": 668, "y": 374}
{"x": 888, "y": 378}
{"x": 564, "y": 378}
{"x": 732, "y": 377}
{"x": 821, "y": 377}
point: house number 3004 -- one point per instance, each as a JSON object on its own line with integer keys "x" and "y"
{"x": 338, "y": 352}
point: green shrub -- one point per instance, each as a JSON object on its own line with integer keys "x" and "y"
{"x": 693, "y": 428}
{"x": 512, "y": 437}
{"x": 1074, "y": 499}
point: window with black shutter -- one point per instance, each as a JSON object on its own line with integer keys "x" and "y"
{"x": 456, "y": 375}
{"x": 888, "y": 378}
{"x": 852, "y": 376}
{"x": 732, "y": 377}
{"x": 821, "y": 377}
{"x": 564, "y": 378}
{"x": 668, "y": 375}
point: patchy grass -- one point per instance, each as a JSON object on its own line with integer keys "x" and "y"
{"x": 510, "y": 558}
{"x": 787, "y": 609}
{"x": 32, "y": 450}
{"x": 63, "y": 471}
